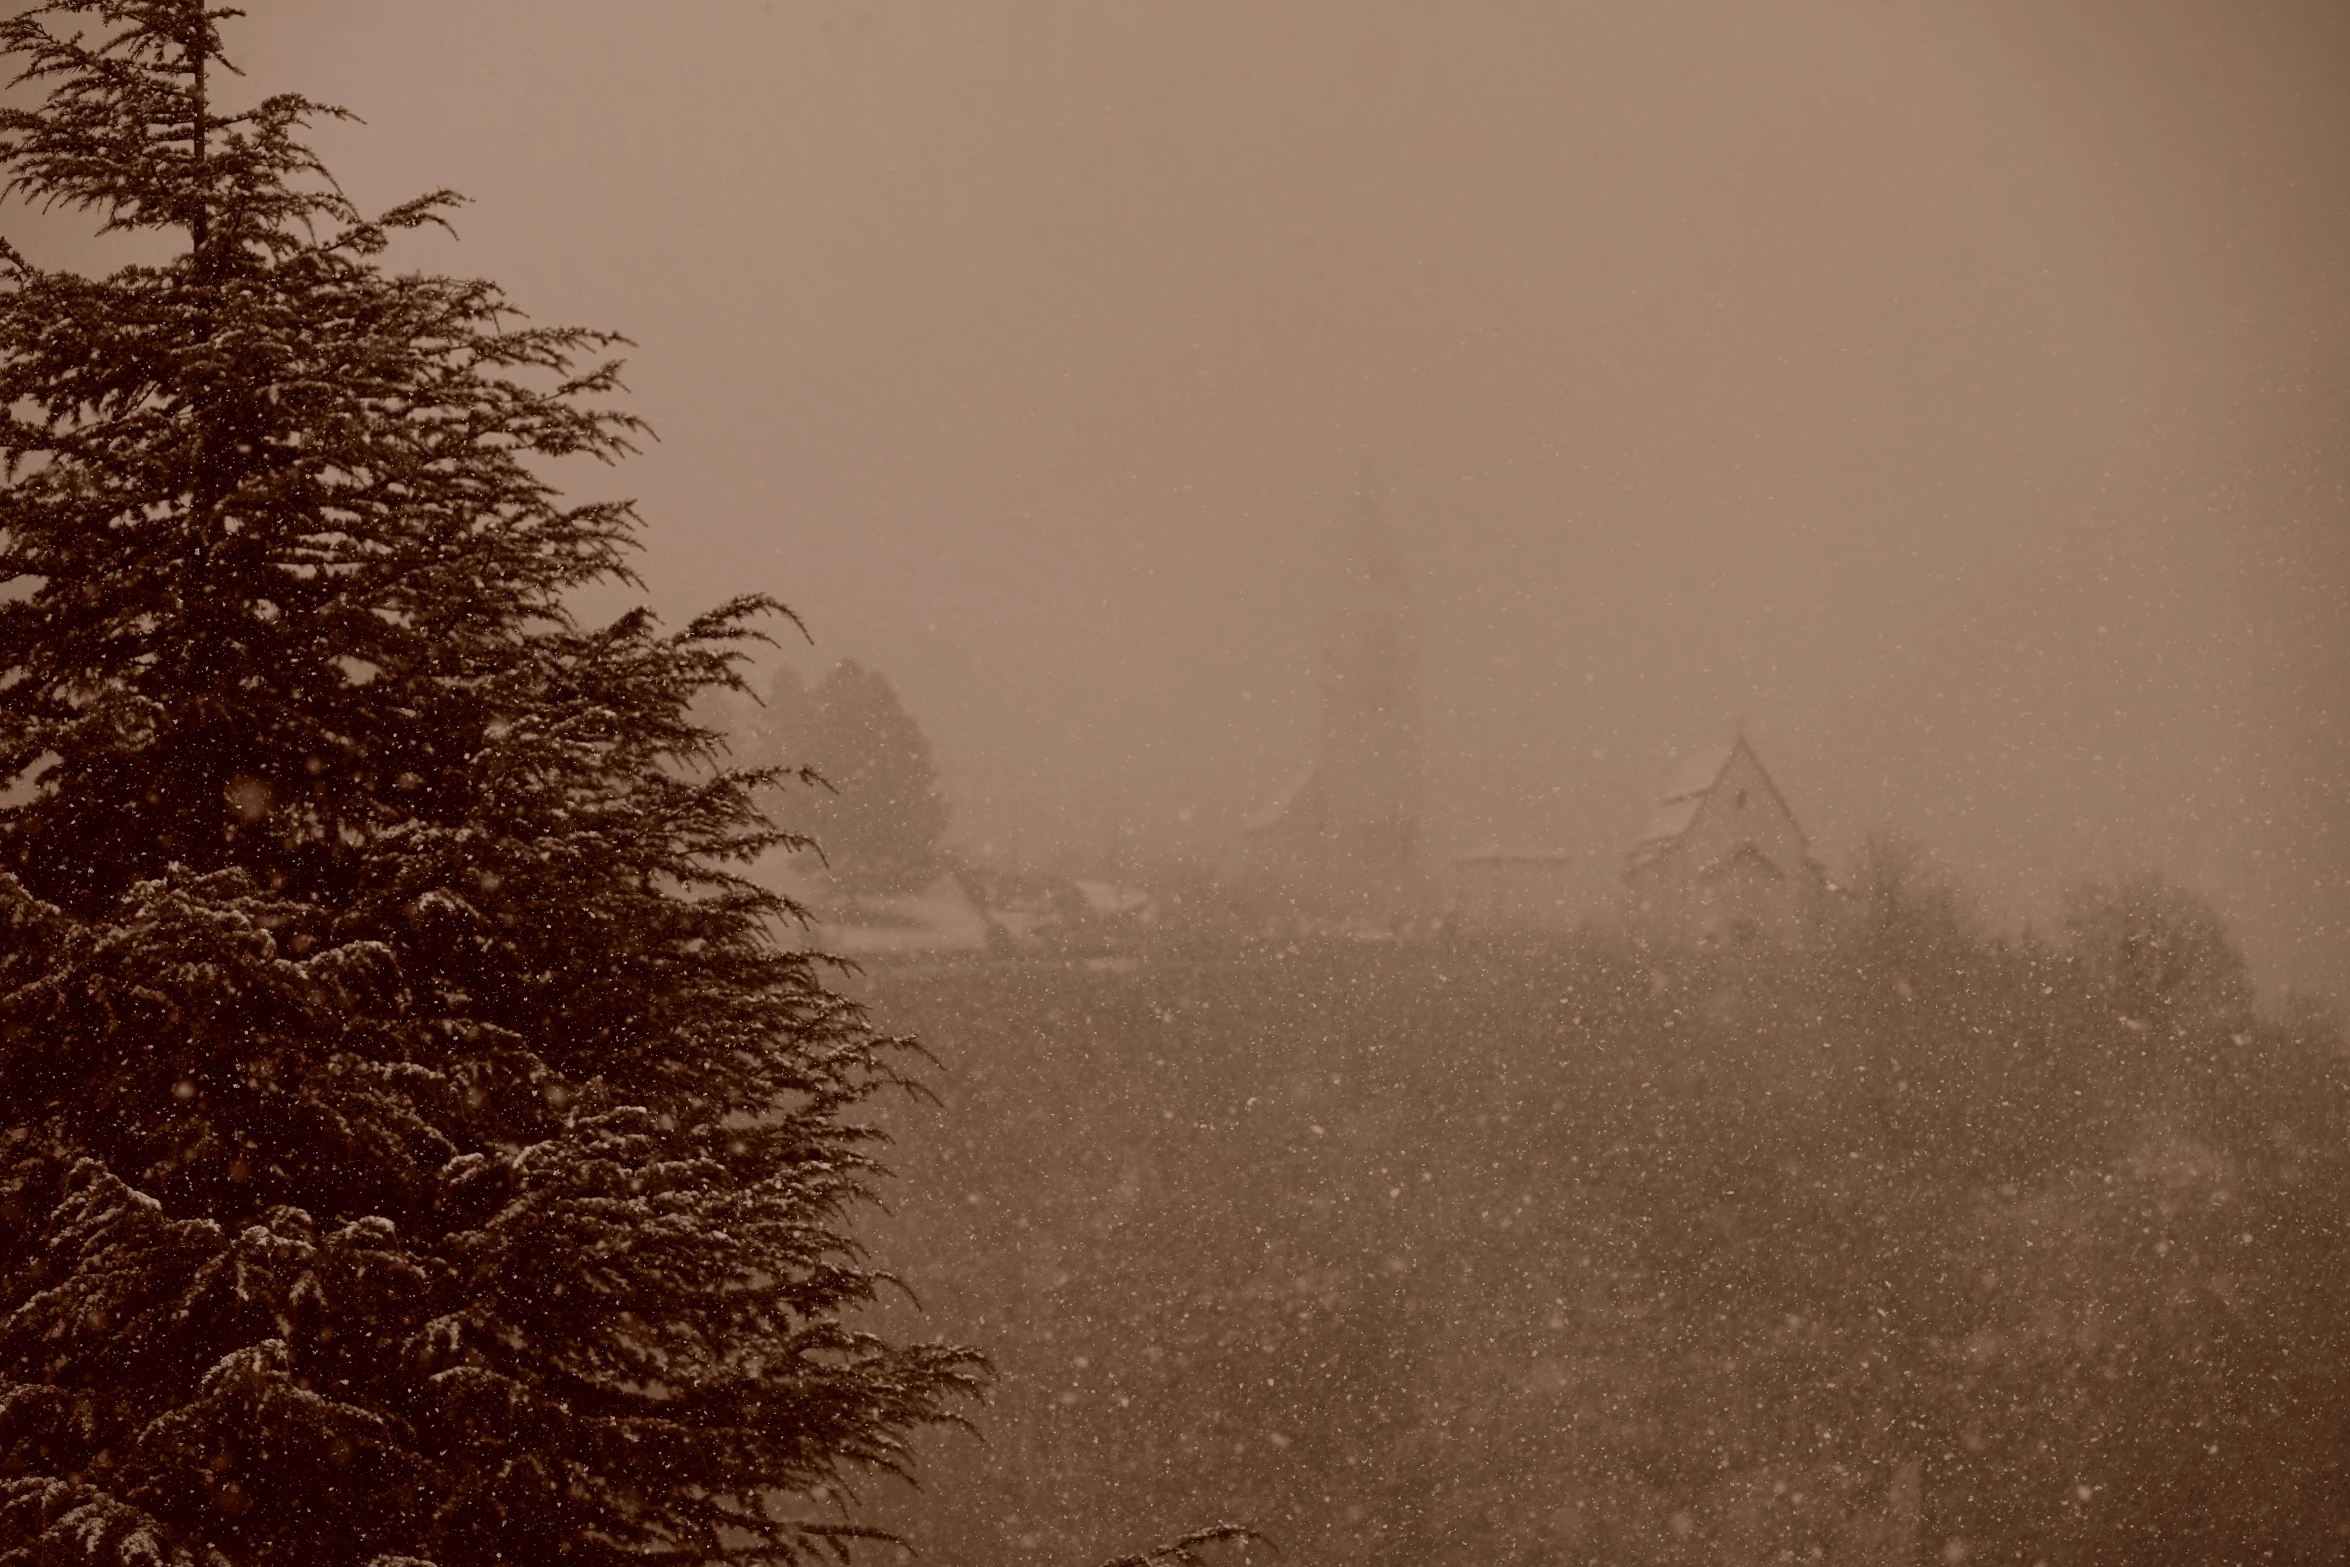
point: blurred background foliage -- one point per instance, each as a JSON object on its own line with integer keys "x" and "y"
{"x": 1932, "y": 1243}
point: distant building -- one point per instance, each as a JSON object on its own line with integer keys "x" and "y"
{"x": 1344, "y": 841}
{"x": 1518, "y": 890}
{"x": 1722, "y": 860}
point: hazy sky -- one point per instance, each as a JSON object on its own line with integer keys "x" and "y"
{"x": 1957, "y": 392}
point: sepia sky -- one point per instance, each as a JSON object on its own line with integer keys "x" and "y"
{"x": 1956, "y": 392}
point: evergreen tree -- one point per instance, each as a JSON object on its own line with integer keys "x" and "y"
{"x": 881, "y": 818}
{"x": 416, "y": 1145}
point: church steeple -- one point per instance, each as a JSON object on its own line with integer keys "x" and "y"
{"x": 1367, "y": 560}
{"x": 1347, "y": 840}
{"x": 1371, "y": 716}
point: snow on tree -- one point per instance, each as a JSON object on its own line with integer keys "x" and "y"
{"x": 416, "y": 1144}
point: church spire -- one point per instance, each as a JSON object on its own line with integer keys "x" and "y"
{"x": 1371, "y": 716}
{"x": 1367, "y": 558}
{"x": 1347, "y": 839}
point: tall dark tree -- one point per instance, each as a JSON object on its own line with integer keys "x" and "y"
{"x": 414, "y": 1143}
{"x": 881, "y": 819}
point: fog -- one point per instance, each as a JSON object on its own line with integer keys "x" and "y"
{"x": 1301, "y": 463}
{"x": 1954, "y": 394}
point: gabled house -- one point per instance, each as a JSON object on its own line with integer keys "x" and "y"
{"x": 1722, "y": 860}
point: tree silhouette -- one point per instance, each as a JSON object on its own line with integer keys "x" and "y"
{"x": 880, "y": 821}
{"x": 416, "y": 1144}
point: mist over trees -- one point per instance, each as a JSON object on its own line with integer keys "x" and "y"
{"x": 424, "y": 1143}
{"x": 1932, "y": 1243}
{"x": 774, "y": 731}
{"x": 417, "y": 1146}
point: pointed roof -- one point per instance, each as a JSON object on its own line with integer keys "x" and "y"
{"x": 1298, "y": 808}
{"x": 1677, "y": 807}
{"x": 1699, "y": 773}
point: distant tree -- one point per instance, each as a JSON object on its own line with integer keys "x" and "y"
{"x": 1904, "y": 908}
{"x": 881, "y": 817}
{"x": 1939, "y": 1019}
{"x": 414, "y": 1143}
{"x": 2158, "y": 951}
{"x": 774, "y": 731}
